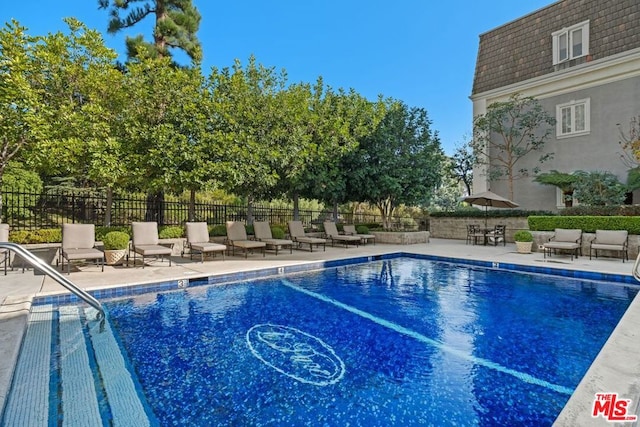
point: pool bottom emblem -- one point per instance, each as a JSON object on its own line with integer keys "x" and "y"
{"x": 295, "y": 354}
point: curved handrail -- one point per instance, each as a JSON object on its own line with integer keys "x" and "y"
{"x": 51, "y": 272}
{"x": 635, "y": 272}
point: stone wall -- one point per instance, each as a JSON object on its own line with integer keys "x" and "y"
{"x": 401, "y": 238}
{"x": 456, "y": 228}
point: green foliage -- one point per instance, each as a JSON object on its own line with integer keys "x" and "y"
{"x": 175, "y": 27}
{"x": 562, "y": 180}
{"x": 170, "y": 232}
{"x": 218, "y": 230}
{"x": 115, "y": 240}
{"x": 509, "y": 131}
{"x": 599, "y": 188}
{"x": 588, "y": 224}
{"x": 48, "y": 235}
{"x": 633, "y": 179}
{"x": 523, "y": 236}
{"x": 399, "y": 163}
{"x": 249, "y": 229}
{"x": 362, "y": 229}
{"x": 18, "y": 179}
{"x": 462, "y": 163}
{"x": 585, "y": 210}
{"x": 102, "y": 231}
{"x": 277, "y": 232}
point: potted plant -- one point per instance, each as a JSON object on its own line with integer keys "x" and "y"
{"x": 524, "y": 241}
{"x": 116, "y": 244}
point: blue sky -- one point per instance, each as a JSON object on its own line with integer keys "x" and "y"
{"x": 422, "y": 52}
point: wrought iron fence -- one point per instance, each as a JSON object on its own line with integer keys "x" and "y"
{"x": 28, "y": 211}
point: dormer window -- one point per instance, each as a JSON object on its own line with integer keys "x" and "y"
{"x": 570, "y": 43}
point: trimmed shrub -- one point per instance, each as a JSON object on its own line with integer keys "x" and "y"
{"x": 170, "y": 232}
{"x": 218, "y": 230}
{"x": 115, "y": 240}
{"x": 588, "y": 224}
{"x": 24, "y": 237}
{"x": 277, "y": 232}
{"x": 523, "y": 236}
{"x": 490, "y": 213}
{"x": 362, "y": 229}
{"x": 102, "y": 231}
{"x": 249, "y": 229}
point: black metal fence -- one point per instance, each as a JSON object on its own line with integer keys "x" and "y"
{"x": 29, "y": 211}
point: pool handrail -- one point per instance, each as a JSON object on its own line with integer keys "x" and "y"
{"x": 635, "y": 272}
{"x": 55, "y": 275}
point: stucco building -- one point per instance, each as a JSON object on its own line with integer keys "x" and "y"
{"x": 581, "y": 60}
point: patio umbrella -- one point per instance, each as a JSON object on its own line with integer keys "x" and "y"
{"x": 488, "y": 198}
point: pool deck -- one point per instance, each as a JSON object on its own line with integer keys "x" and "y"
{"x": 615, "y": 370}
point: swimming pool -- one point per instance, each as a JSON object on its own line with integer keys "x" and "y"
{"x": 396, "y": 341}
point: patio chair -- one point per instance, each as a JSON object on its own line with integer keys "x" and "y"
{"x": 331, "y": 230}
{"x": 198, "y": 241}
{"x": 296, "y": 231}
{"x": 350, "y": 230}
{"x": 145, "y": 242}
{"x": 78, "y": 243}
{"x": 565, "y": 239}
{"x": 262, "y": 231}
{"x": 237, "y": 238}
{"x": 611, "y": 240}
{"x": 5, "y": 254}
{"x": 498, "y": 235}
{"x": 472, "y": 232}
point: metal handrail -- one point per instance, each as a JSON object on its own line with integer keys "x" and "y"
{"x": 51, "y": 272}
{"x": 635, "y": 272}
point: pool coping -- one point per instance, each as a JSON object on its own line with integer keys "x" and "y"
{"x": 613, "y": 370}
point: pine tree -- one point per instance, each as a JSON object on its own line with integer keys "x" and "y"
{"x": 176, "y": 24}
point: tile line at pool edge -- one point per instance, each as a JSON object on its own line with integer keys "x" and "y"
{"x": 439, "y": 345}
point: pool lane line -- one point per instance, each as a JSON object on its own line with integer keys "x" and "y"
{"x": 439, "y": 345}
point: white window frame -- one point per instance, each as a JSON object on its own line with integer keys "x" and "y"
{"x": 572, "y": 107}
{"x": 568, "y": 34}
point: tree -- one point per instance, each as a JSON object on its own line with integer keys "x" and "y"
{"x": 599, "y": 189}
{"x": 399, "y": 163}
{"x": 564, "y": 181}
{"x": 630, "y": 156}
{"x": 176, "y": 25}
{"x": 461, "y": 165}
{"x": 508, "y": 132}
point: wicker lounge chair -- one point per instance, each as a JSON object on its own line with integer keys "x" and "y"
{"x": 78, "y": 242}
{"x": 350, "y": 230}
{"x": 198, "y": 241}
{"x": 237, "y": 238}
{"x": 296, "y": 231}
{"x": 565, "y": 239}
{"x": 331, "y": 230}
{"x": 611, "y": 240}
{"x": 262, "y": 232}
{"x": 145, "y": 242}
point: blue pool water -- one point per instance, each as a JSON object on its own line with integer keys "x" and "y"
{"x": 394, "y": 342}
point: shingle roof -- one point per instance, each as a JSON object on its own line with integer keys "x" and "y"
{"x": 522, "y": 49}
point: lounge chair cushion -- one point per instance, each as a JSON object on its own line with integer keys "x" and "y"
{"x": 151, "y": 250}
{"x": 197, "y": 232}
{"x": 567, "y": 235}
{"x": 610, "y": 239}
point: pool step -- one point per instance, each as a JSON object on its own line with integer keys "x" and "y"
{"x": 29, "y": 402}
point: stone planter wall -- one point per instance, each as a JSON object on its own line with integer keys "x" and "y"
{"x": 401, "y": 237}
{"x": 456, "y": 228}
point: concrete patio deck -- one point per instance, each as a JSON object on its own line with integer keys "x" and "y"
{"x": 616, "y": 369}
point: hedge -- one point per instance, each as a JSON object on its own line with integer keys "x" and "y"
{"x": 588, "y": 224}
{"x": 490, "y": 213}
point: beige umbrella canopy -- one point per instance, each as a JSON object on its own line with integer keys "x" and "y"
{"x": 488, "y": 198}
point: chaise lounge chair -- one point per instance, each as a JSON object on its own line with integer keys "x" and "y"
{"x": 145, "y": 242}
{"x": 565, "y": 239}
{"x": 4, "y": 253}
{"x": 237, "y": 238}
{"x": 78, "y": 242}
{"x": 331, "y": 230}
{"x": 350, "y": 230}
{"x": 611, "y": 240}
{"x": 262, "y": 232}
{"x": 296, "y": 231}
{"x": 198, "y": 241}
